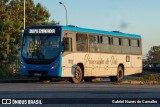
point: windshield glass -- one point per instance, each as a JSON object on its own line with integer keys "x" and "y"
{"x": 40, "y": 47}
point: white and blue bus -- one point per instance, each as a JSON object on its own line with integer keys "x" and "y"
{"x": 79, "y": 53}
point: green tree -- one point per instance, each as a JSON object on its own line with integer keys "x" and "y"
{"x": 4, "y": 36}
{"x": 154, "y": 54}
{"x": 11, "y": 25}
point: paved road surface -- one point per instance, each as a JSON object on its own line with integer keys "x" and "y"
{"x": 65, "y": 89}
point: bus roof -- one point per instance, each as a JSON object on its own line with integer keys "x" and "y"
{"x": 86, "y": 30}
{"x": 102, "y": 32}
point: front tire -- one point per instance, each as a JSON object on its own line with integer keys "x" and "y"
{"x": 120, "y": 75}
{"x": 78, "y": 76}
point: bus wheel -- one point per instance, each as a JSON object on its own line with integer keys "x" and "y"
{"x": 120, "y": 75}
{"x": 45, "y": 80}
{"x": 78, "y": 76}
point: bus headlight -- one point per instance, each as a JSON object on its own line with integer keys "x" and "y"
{"x": 22, "y": 65}
{"x": 55, "y": 65}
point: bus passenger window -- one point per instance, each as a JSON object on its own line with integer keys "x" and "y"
{"x": 106, "y": 40}
{"x": 126, "y": 42}
{"x": 116, "y": 41}
{"x": 135, "y": 46}
{"x": 116, "y": 45}
{"x": 82, "y": 42}
{"x": 135, "y": 43}
{"x": 93, "y": 43}
{"x": 67, "y": 44}
{"x": 105, "y": 44}
{"x": 126, "y": 46}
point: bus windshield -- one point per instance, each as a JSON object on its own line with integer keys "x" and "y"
{"x": 40, "y": 47}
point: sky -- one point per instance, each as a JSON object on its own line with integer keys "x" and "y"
{"x": 129, "y": 16}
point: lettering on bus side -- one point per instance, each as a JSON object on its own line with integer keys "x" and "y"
{"x": 89, "y": 60}
{"x": 112, "y": 61}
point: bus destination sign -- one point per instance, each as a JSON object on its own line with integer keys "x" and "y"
{"x": 32, "y": 31}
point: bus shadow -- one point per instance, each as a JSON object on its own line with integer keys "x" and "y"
{"x": 53, "y": 81}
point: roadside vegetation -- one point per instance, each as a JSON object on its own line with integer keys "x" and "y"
{"x": 11, "y": 27}
{"x": 6, "y": 73}
{"x": 149, "y": 76}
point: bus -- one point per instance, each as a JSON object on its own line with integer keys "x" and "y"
{"x": 80, "y": 54}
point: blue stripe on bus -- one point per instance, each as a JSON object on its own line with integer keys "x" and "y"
{"x": 86, "y": 30}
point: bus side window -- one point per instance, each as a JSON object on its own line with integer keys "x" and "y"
{"x": 105, "y": 40}
{"x": 135, "y": 43}
{"x": 67, "y": 44}
{"x": 126, "y": 42}
{"x": 126, "y": 49}
{"x": 82, "y": 42}
{"x": 93, "y": 43}
{"x": 116, "y": 41}
{"x": 116, "y": 45}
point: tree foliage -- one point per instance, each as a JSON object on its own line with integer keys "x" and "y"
{"x": 154, "y": 54}
{"x": 11, "y": 25}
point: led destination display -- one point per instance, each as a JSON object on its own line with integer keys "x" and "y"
{"x": 42, "y": 31}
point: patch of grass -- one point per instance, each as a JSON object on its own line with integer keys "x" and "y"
{"x": 149, "y": 76}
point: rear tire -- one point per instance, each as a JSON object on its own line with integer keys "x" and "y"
{"x": 78, "y": 76}
{"x": 120, "y": 75}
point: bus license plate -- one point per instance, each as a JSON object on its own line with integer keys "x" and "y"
{"x": 37, "y": 74}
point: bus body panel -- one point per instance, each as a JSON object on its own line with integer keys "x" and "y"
{"x": 67, "y": 65}
{"x": 100, "y": 65}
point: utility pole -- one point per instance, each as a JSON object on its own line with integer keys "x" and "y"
{"x": 66, "y": 12}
